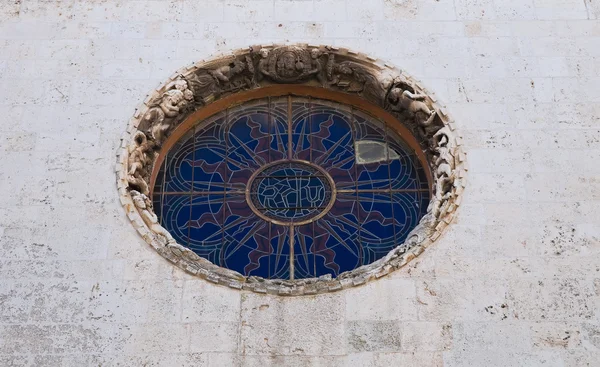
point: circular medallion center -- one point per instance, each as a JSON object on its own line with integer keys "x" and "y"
{"x": 291, "y": 192}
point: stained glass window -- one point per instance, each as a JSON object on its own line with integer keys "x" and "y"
{"x": 291, "y": 188}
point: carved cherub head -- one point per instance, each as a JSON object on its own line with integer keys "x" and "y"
{"x": 174, "y": 96}
{"x": 180, "y": 84}
{"x": 238, "y": 66}
{"x": 395, "y": 94}
{"x": 264, "y": 53}
{"x": 188, "y": 95}
{"x": 315, "y": 53}
{"x": 343, "y": 69}
{"x": 225, "y": 70}
{"x": 140, "y": 200}
{"x": 442, "y": 151}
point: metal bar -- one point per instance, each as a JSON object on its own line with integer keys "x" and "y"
{"x": 189, "y": 230}
{"x": 310, "y": 132}
{"x": 382, "y": 191}
{"x": 196, "y": 193}
{"x": 225, "y": 179}
{"x": 301, "y": 176}
{"x": 359, "y": 222}
{"x": 291, "y": 207}
{"x": 162, "y": 196}
{"x": 241, "y": 192}
{"x": 289, "y": 123}
{"x": 314, "y": 256}
{"x": 310, "y": 155}
{"x": 389, "y": 163}
{"x": 291, "y": 234}
{"x": 270, "y": 129}
{"x": 292, "y": 265}
{"x": 270, "y": 255}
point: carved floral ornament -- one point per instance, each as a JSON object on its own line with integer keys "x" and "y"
{"x": 198, "y": 86}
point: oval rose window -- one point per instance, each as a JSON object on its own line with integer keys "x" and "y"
{"x": 290, "y": 169}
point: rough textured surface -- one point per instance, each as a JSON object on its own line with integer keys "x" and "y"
{"x": 515, "y": 281}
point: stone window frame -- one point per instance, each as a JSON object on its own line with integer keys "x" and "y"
{"x": 199, "y": 85}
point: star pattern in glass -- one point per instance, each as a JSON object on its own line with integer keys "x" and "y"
{"x": 290, "y": 192}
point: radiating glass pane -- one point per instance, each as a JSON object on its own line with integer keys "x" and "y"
{"x": 301, "y": 129}
{"x": 336, "y": 243}
{"x": 178, "y": 165}
{"x": 377, "y": 225}
{"x": 175, "y": 216}
{"x": 210, "y": 150}
{"x": 247, "y": 141}
{"x": 332, "y": 141}
{"x": 246, "y": 242}
{"x": 205, "y": 225}
{"x": 408, "y": 209}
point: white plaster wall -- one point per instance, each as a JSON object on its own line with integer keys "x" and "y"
{"x": 514, "y": 282}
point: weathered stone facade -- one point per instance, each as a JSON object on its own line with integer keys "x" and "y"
{"x": 513, "y": 280}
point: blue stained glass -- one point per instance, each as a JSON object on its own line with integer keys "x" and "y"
{"x": 248, "y": 144}
{"x": 157, "y": 205}
{"x": 246, "y": 239}
{"x": 373, "y": 170}
{"x": 408, "y": 209}
{"x": 175, "y": 215}
{"x": 234, "y": 189}
{"x": 178, "y": 165}
{"x": 332, "y": 143}
{"x": 377, "y": 225}
{"x": 336, "y": 245}
{"x": 304, "y": 258}
{"x": 301, "y": 136}
{"x": 278, "y": 129}
{"x": 290, "y": 191}
{"x": 373, "y": 176}
{"x": 280, "y": 260}
{"x": 255, "y": 136}
{"x": 205, "y": 224}
{"x": 406, "y": 171}
{"x": 209, "y": 166}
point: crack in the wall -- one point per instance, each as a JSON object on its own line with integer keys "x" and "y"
{"x": 587, "y": 9}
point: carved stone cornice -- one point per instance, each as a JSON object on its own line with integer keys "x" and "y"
{"x": 198, "y": 85}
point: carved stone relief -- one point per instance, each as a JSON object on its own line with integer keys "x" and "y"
{"x": 140, "y": 156}
{"x": 335, "y": 69}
